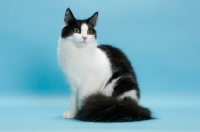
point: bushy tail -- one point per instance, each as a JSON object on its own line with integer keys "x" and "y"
{"x": 100, "y": 108}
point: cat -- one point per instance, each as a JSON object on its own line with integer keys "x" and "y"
{"x": 102, "y": 81}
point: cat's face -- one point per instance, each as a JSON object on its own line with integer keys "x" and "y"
{"x": 80, "y": 32}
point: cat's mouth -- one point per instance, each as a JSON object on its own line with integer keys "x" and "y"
{"x": 81, "y": 44}
{"x": 83, "y": 41}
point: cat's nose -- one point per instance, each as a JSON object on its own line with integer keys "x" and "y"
{"x": 84, "y": 38}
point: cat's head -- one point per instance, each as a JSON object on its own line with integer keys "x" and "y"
{"x": 80, "y": 32}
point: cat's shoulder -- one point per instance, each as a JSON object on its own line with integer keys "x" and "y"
{"x": 116, "y": 56}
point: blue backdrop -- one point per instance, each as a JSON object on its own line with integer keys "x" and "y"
{"x": 160, "y": 37}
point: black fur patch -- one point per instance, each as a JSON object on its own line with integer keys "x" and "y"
{"x": 100, "y": 108}
{"x": 121, "y": 67}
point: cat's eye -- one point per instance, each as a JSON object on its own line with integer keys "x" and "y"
{"x": 76, "y": 30}
{"x": 89, "y": 31}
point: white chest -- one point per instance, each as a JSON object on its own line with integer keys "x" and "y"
{"x": 83, "y": 64}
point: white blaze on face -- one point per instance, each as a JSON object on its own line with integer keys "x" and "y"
{"x": 84, "y": 29}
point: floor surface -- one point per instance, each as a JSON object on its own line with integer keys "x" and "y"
{"x": 43, "y": 114}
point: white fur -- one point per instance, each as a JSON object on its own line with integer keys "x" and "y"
{"x": 132, "y": 94}
{"x": 86, "y": 67}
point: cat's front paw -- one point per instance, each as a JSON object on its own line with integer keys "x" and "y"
{"x": 69, "y": 114}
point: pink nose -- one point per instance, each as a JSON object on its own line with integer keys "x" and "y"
{"x": 84, "y": 38}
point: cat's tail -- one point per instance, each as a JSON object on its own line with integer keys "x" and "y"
{"x": 100, "y": 108}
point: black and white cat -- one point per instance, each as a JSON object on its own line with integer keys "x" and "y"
{"x": 101, "y": 78}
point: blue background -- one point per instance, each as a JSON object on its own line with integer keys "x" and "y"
{"x": 161, "y": 38}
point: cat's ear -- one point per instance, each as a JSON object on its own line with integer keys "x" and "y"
{"x": 68, "y": 16}
{"x": 93, "y": 19}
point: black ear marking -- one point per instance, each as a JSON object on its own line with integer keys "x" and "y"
{"x": 93, "y": 19}
{"x": 68, "y": 16}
